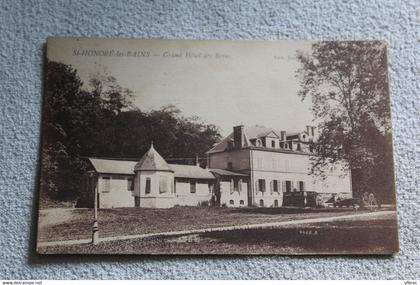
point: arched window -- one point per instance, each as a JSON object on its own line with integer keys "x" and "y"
{"x": 276, "y": 203}
{"x": 231, "y": 202}
{"x": 241, "y": 202}
{"x": 261, "y": 203}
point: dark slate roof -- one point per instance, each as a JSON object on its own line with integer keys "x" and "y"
{"x": 224, "y": 172}
{"x": 191, "y": 171}
{"x": 152, "y": 160}
{"x": 249, "y": 133}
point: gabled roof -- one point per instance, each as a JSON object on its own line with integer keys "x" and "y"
{"x": 111, "y": 166}
{"x": 190, "y": 171}
{"x": 258, "y": 132}
{"x": 152, "y": 160}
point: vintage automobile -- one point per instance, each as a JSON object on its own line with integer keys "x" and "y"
{"x": 349, "y": 202}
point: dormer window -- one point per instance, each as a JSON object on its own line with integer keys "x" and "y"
{"x": 230, "y": 145}
{"x": 273, "y": 144}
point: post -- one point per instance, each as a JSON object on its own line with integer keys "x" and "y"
{"x": 95, "y": 229}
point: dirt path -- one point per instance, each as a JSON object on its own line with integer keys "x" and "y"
{"x": 50, "y": 217}
{"x": 216, "y": 229}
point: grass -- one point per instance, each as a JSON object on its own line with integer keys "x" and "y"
{"x": 128, "y": 221}
{"x": 373, "y": 236}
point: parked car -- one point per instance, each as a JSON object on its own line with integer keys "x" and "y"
{"x": 349, "y": 202}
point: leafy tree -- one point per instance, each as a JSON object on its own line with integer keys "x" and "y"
{"x": 348, "y": 85}
{"x": 99, "y": 120}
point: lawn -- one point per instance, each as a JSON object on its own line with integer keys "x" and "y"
{"x": 77, "y": 223}
{"x": 377, "y": 235}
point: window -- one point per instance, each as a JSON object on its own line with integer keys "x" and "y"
{"x": 148, "y": 185}
{"x": 235, "y": 185}
{"x": 298, "y": 148}
{"x": 230, "y": 145}
{"x": 288, "y": 186}
{"x": 261, "y": 185}
{"x": 276, "y": 203}
{"x": 261, "y": 203}
{"x": 241, "y": 202}
{"x": 281, "y": 144}
{"x": 231, "y": 202}
{"x": 163, "y": 184}
{"x": 106, "y": 184}
{"x": 229, "y": 165}
{"x": 193, "y": 186}
{"x": 275, "y": 186}
{"x": 301, "y": 186}
{"x": 273, "y": 144}
{"x": 130, "y": 184}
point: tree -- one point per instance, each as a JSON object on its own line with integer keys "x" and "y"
{"x": 99, "y": 120}
{"x": 76, "y": 121}
{"x": 348, "y": 85}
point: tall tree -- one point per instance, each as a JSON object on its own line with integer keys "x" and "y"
{"x": 78, "y": 121}
{"x": 99, "y": 120}
{"x": 348, "y": 85}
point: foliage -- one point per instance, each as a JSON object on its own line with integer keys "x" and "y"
{"x": 348, "y": 85}
{"x": 99, "y": 120}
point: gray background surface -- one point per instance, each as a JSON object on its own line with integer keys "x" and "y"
{"x": 24, "y": 27}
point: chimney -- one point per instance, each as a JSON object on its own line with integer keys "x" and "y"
{"x": 238, "y": 136}
{"x": 282, "y": 135}
{"x": 308, "y": 130}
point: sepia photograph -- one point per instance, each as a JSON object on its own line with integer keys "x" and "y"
{"x": 216, "y": 147}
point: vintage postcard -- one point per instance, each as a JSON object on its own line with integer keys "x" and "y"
{"x": 216, "y": 147}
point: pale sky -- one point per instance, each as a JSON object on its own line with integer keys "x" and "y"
{"x": 226, "y": 83}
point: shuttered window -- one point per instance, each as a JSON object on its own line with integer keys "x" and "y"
{"x": 163, "y": 184}
{"x": 235, "y": 185}
{"x": 261, "y": 185}
{"x": 193, "y": 186}
{"x": 106, "y": 184}
{"x": 288, "y": 186}
{"x": 148, "y": 185}
{"x": 301, "y": 186}
{"x": 130, "y": 184}
{"x": 275, "y": 186}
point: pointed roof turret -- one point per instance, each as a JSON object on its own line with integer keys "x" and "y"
{"x": 152, "y": 161}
